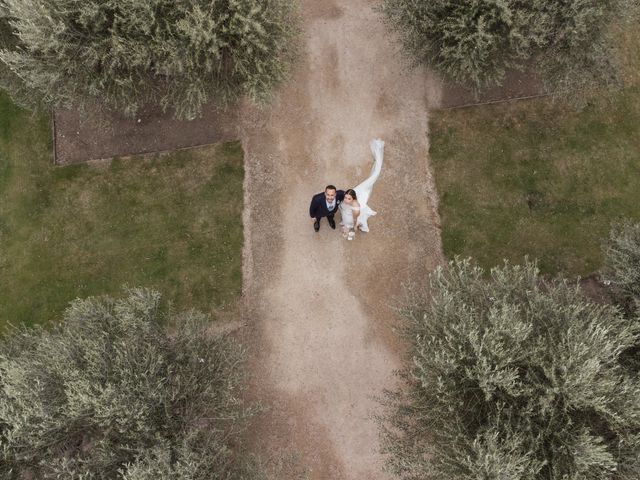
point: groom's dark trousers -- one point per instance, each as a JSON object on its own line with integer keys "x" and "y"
{"x": 318, "y": 207}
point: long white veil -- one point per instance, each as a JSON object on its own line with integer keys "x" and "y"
{"x": 363, "y": 190}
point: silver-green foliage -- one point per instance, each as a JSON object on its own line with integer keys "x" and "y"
{"x": 108, "y": 393}
{"x": 622, "y": 259}
{"x": 180, "y": 54}
{"x": 513, "y": 377}
{"x": 475, "y": 42}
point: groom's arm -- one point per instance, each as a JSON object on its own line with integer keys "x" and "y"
{"x": 313, "y": 208}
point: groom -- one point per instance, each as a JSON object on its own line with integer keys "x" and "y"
{"x": 325, "y": 204}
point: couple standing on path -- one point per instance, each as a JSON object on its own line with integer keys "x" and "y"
{"x": 352, "y": 203}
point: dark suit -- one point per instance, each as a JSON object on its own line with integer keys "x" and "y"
{"x": 318, "y": 207}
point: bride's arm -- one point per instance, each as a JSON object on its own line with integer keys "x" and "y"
{"x": 356, "y": 214}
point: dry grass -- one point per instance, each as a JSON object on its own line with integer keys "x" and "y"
{"x": 171, "y": 222}
{"x": 540, "y": 179}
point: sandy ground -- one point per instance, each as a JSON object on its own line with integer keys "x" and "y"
{"x": 319, "y": 306}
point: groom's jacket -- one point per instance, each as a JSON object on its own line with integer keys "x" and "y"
{"x": 318, "y": 207}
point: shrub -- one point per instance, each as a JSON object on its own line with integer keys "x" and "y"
{"x": 126, "y": 53}
{"x": 513, "y": 377}
{"x": 622, "y": 260}
{"x": 475, "y": 42}
{"x": 622, "y": 271}
{"x": 108, "y": 393}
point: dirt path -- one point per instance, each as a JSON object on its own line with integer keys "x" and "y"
{"x": 318, "y": 305}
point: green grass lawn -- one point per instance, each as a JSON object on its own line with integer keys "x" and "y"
{"x": 171, "y": 222}
{"x": 534, "y": 178}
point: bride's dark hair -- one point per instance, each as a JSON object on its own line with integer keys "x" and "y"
{"x": 351, "y": 192}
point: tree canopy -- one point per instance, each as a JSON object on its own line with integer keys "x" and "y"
{"x": 474, "y": 42}
{"x": 514, "y": 376}
{"x": 621, "y": 272}
{"x": 622, "y": 261}
{"x": 127, "y": 53}
{"x": 110, "y": 393}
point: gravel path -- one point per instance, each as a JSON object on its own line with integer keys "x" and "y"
{"x": 318, "y": 306}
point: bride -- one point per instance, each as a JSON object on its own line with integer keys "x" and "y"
{"x": 354, "y": 209}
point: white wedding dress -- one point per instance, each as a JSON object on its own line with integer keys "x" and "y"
{"x": 363, "y": 191}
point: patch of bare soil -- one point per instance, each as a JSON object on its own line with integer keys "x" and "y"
{"x": 516, "y": 85}
{"x": 99, "y": 133}
{"x": 319, "y": 307}
{"x": 596, "y": 290}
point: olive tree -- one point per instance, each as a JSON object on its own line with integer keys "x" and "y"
{"x": 111, "y": 393}
{"x": 513, "y": 376}
{"x": 474, "y": 42}
{"x": 621, "y": 272}
{"x": 127, "y": 53}
{"x": 622, "y": 260}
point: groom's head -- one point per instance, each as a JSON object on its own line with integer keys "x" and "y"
{"x": 330, "y": 193}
